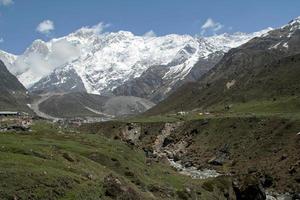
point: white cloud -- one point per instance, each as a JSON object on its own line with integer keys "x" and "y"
{"x": 41, "y": 61}
{"x": 6, "y": 2}
{"x": 211, "y": 26}
{"x": 1, "y": 40}
{"x": 150, "y": 33}
{"x": 98, "y": 28}
{"x": 45, "y": 27}
{"x": 63, "y": 51}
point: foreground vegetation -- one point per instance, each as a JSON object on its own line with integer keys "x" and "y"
{"x": 54, "y": 163}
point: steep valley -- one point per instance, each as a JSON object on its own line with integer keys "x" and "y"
{"x": 231, "y": 145}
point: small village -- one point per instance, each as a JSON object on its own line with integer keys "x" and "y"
{"x": 15, "y": 121}
{"x": 22, "y": 121}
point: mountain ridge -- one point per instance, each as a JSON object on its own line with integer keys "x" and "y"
{"x": 103, "y": 62}
{"x": 264, "y": 68}
{"x": 13, "y": 93}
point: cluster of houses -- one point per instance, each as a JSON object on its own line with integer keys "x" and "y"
{"x": 13, "y": 120}
{"x": 78, "y": 121}
{"x": 22, "y": 121}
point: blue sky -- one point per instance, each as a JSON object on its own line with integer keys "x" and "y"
{"x": 19, "y": 19}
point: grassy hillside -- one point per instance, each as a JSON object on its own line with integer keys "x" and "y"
{"x": 266, "y": 146}
{"x": 54, "y": 163}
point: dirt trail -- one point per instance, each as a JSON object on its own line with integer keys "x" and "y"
{"x": 35, "y": 106}
{"x": 99, "y": 113}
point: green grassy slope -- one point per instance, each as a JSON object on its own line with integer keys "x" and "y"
{"x": 53, "y": 163}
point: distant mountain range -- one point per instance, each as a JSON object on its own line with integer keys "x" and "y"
{"x": 265, "y": 68}
{"x": 119, "y": 63}
{"x": 197, "y": 72}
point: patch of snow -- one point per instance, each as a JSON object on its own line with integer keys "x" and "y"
{"x": 275, "y": 46}
{"x": 271, "y": 195}
{"x": 230, "y": 84}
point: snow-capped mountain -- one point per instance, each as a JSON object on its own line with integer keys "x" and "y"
{"x": 99, "y": 63}
{"x": 9, "y": 60}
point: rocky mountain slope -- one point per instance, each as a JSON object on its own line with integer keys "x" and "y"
{"x": 248, "y": 145}
{"x": 13, "y": 93}
{"x": 118, "y": 63}
{"x": 265, "y": 68}
{"x": 155, "y": 84}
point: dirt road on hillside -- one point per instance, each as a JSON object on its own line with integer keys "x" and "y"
{"x": 35, "y": 106}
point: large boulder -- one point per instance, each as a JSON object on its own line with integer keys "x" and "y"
{"x": 248, "y": 187}
{"x": 117, "y": 189}
{"x": 221, "y": 156}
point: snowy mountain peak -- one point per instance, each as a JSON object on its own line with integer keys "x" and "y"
{"x": 295, "y": 21}
{"x": 103, "y": 61}
{"x": 293, "y": 25}
{"x": 9, "y": 60}
{"x": 38, "y": 46}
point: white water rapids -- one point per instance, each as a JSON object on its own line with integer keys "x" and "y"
{"x": 193, "y": 171}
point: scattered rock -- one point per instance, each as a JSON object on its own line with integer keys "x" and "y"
{"x": 194, "y": 131}
{"x": 90, "y": 176}
{"x": 292, "y": 170}
{"x": 252, "y": 170}
{"x": 283, "y": 157}
{"x": 129, "y": 173}
{"x": 204, "y": 122}
{"x": 14, "y": 127}
{"x": 167, "y": 141}
{"x": 221, "y": 156}
{"x": 266, "y": 180}
{"x": 148, "y": 152}
{"x": 183, "y": 194}
{"x": 297, "y": 178}
{"x": 68, "y": 157}
{"x": 115, "y": 189}
{"x": 296, "y": 196}
{"x": 161, "y": 191}
{"x": 131, "y": 133}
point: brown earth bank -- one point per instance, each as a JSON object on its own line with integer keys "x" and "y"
{"x": 267, "y": 148}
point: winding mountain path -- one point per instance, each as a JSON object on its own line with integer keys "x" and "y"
{"x": 35, "y": 106}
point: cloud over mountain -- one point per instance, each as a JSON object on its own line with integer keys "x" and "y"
{"x": 211, "y": 26}
{"x": 45, "y": 27}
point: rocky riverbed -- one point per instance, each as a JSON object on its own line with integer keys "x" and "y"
{"x": 193, "y": 171}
